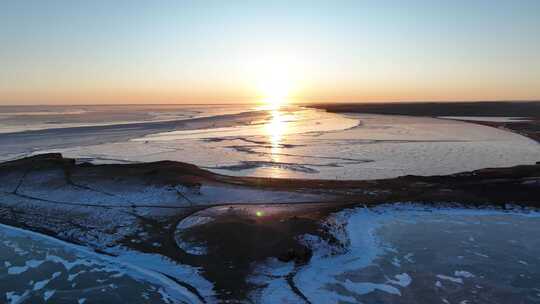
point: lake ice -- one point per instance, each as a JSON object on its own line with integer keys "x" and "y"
{"x": 410, "y": 253}
{"x": 293, "y": 142}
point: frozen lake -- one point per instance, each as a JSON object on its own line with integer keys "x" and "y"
{"x": 39, "y": 269}
{"x": 415, "y": 254}
{"x": 404, "y": 253}
{"x": 400, "y": 254}
{"x": 292, "y": 142}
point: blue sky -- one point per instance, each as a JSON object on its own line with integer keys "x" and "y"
{"x": 239, "y": 51}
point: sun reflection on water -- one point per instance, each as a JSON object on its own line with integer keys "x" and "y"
{"x": 275, "y": 130}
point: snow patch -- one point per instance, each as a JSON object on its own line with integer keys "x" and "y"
{"x": 463, "y": 274}
{"x": 449, "y": 278}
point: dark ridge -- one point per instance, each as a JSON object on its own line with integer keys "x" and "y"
{"x": 487, "y": 108}
{"x": 496, "y": 185}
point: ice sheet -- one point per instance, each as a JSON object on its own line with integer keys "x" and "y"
{"x": 405, "y": 252}
{"x": 306, "y": 143}
{"x": 41, "y": 267}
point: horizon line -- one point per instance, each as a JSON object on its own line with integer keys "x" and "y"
{"x": 292, "y": 103}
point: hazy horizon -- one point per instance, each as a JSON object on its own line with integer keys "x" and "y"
{"x": 259, "y": 102}
{"x": 211, "y": 52}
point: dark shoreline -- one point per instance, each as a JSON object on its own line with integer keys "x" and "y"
{"x": 528, "y": 109}
{"x": 487, "y": 108}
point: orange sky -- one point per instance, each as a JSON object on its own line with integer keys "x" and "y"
{"x": 238, "y": 52}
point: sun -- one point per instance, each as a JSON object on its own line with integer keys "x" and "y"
{"x": 275, "y": 91}
{"x": 275, "y": 77}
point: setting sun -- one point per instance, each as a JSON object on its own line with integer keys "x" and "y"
{"x": 274, "y": 75}
{"x": 275, "y": 84}
{"x": 275, "y": 91}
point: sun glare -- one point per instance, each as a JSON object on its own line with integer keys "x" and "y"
{"x": 275, "y": 91}
{"x": 275, "y": 76}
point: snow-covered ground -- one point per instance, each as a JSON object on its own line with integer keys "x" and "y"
{"x": 402, "y": 253}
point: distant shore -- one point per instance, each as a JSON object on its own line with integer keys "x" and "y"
{"x": 529, "y": 109}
